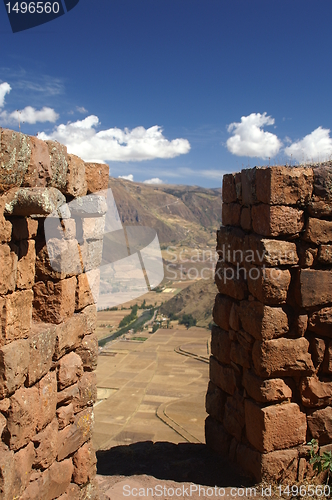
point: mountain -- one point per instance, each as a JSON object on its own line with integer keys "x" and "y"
{"x": 181, "y": 215}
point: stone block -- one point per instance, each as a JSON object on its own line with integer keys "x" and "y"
{"x": 240, "y": 355}
{"x": 93, "y": 228}
{"x": 70, "y": 370}
{"x": 50, "y": 483}
{"x": 87, "y": 290}
{"x": 283, "y": 185}
{"x": 320, "y": 425}
{"x": 26, "y": 265}
{"x": 24, "y": 228}
{"x": 275, "y": 427}
{"x": 320, "y": 322}
{"x": 315, "y": 393}
{"x": 322, "y": 181}
{"x": 269, "y": 285}
{"x": 265, "y": 391}
{"x": 3, "y": 423}
{"x": 68, "y": 395}
{"x": 261, "y": 321}
{"x": 327, "y": 363}
{"x": 73, "y": 492}
{"x": 24, "y": 460}
{"x": 231, "y": 245}
{"x": 17, "y": 314}
{"x": 88, "y": 351}
{"x": 233, "y": 420}
{"x": 216, "y": 436}
{"x": 84, "y": 461}
{"x": 24, "y": 407}
{"x": 325, "y": 254}
{"x": 317, "y": 351}
{"x": 69, "y": 334}
{"x": 223, "y": 376}
{"x": 54, "y": 302}
{"x": 220, "y": 345}
{"x": 313, "y": 287}
{"x": 76, "y": 184}
{"x": 47, "y": 389}
{"x": 75, "y": 435}
{"x": 8, "y": 269}
{"x": 89, "y": 315}
{"x": 228, "y": 188}
{"x": 97, "y": 176}
{"x": 34, "y": 201}
{"x": 215, "y": 402}
{"x": 7, "y": 473}
{"x": 282, "y": 357}
{"x": 277, "y": 220}
{"x": 87, "y": 391}
{"x": 14, "y": 362}
{"x": 92, "y": 251}
{"x": 42, "y": 348}
{"x": 231, "y": 214}
{"x": 59, "y": 165}
{"x": 248, "y": 182}
{"x": 65, "y": 415}
{"x": 46, "y": 445}
{"x": 245, "y": 218}
{"x": 234, "y": 317}
{"x": 318, "y": 231}
{"x": 270, "y": 253}
{"x": 59, "y": 259}
{"x": 230, "y": 280}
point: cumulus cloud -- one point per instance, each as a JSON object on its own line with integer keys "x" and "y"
{"x": 5, "y": 88}
{"x": 129, "y": 177}
{"x": 81, "y": 109}
{"x": 154, "y": 180}
{"x": 115, "y": 144}
{"x": 31, "y": 115}
{"x": 248, "y": 138}
{"x": 316, "y": 146}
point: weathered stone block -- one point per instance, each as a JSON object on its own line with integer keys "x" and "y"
{"x": 24, "y": 459}
{"x": 50, "y": 483}
{"x": 47, "y": 389}
{"x": 230, "y": 280}
{"x": 325, "y": 254}
{"x": 283, "y": 185}
{"x": 59, "y": 165}
{"x": 46, "y": 445}
{"x": 14, "y": 362}
{"x": 17, "y": 315}
{"x": 87, "y": 391}
{"x": 265, "y": 391}
{"x": 24, "y": 228}
{"x": 245, "y": 219}
{"x": 26, "y": 265}
{"x": 24, "y": 407}
{"x": 216, "y": 436}
{"x": 68, "y": 395}
{"x": 233, "y": 420}
{"x": 92, "y": 254}
{"x": 321, "y": 322}
{"x": 69, "y": 334}
{"x": 215, "y": 402}
{"x": 65, "y": 415}
{"x": 317, "y": 350}
{"x": 42, "y": 347}
{"x": 7, "y": 473}
{"x": 327, "y": 363}
{"x": 268, "y": 252}
{"x": 54, "y": 302}
{"x": 231, "y": 244}
{"x": 320, "y": 425}
{"x": 73, "y": 436}
{"x": 8, "y": 269}
{"x": 269, "y": 285}
{"x": 220, "y": 345}
{"x": 282, "y": 357}
{"x": 275, "y": 427}
{"x": 318, "y": 231}
{"x": 228, "y": 188}
{"x": 76, "y": 184}
{"x": 87, "y": 290}
{"x": 93, "y": 228}
{"x": 240, "y": 355}
{"x": 88, "y": 351}
{"x": 261, "y": 321}
{"x": 223, "y": 376}
{"x": 89, "y": 315}
{"x": 313, "y": 287}
{"x": 97, "y": 176}
{"x": 84, "y": 462}
{"x": 231, "y": 214}
{"x": 276, "y": 220}
{"x": 70, "y": 369}
{"x": 33, "y": 201}
{"x": 315, "y": 393}
{"x": 248, "y": 182}
{"x": 59, "y": 259}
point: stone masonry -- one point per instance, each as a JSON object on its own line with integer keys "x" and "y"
{"x": 270, "y": 388}
{"x": 48, "y": 349}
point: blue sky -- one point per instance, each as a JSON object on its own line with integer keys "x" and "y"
{"x": 178, "y": 90}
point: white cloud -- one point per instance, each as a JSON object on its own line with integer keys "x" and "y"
{"x": 115, "y": 144}
{"x": 5, "y": 88}
{"x": 30, "y": 115}
{"x": 249, "y": 139}
{"x": 81, "y": 109}
{"x": 129, "y": 177}
{"x": 154, "y": 180}
{"x": 316, "y": 146}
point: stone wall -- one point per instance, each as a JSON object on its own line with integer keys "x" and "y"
{"x": 48, "y": 349}
{"x": 270, "y": 389}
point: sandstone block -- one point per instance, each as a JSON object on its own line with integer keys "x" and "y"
{"x": 42, "y": 347}
{"x": 97, "y": 176}
{"x": 327, "y": 363}
{"x": 263, "y": 251}
{"x": 24, "y": 228}
{"x": 265, "y": 391}
{"x": 50, "y": 483}
{"x": 14, "y": 362}
{"x": 24, "y": 459}
{"x": 233, "y": 420}
{"x": 220, "y": 345}
{"x": 17, "y": 315}
{"x": 89, "y": 315}
{"x": 320, "y": 425}
{"x": 3, "y": 423}
{"x": 69, "y": 334}
{"x": 34, "y": 201}
{"x": 26, "y": 265}
{"x": 231, "y": 214}
{"x": 215, "y": 402}
{"x": 73, "y": 492}
{"x": 87, "y": 290}
{"x": 261, "y": 321}
{"x": 54, "y": 302}
{"x": 88, "y": 351}
{"x": 68, "y": 395}
{"x": 318, "y": 231}
{"x": 47, "y": 389}
{"x": 319, "y": 208}
{"x": 325, "y": 254}
{"x": 314, "y": 393}
{"x": 240, "y": 355}
{"x": 87, "y": 391}
{"x": 46, "y": 445}
{"x": 320, "y": 322}
{"x": 76, "y": 184}
{"x": 269, "y": 285}
{"x": 92, "y": 254}
{"x": 231, "y": 244}
{"x": 59, "y": 165}
{"x": 248, "y": 182}
{"x": 275, "y": 427}
{"x": 276, "y": 220}
{"x": 283, "y": 185}
{"x": 223, "y": 376}
{"x": 216, "y": 436}
{"x": 282, "y": 357}
{"x": 84, "y": 462}
{"x": 228, "y": 188}
{"x": 75, "y": 435}
{"x": 322, "y": 181}
{"x": 234, "y": 317}
{"x": 317, "y": 350}
{"x": 245, "y": 219}
{"x": 65, "y": 415}
{"x": 7, "y": 473}
{"x": 24, "y": 407}
{"x": 92, "y": 205}
{"x": 70, "y": 369}
{"x": 59, "y": 259}
{"x": 313, "y": 287}
{"x": 8, "y": 269}
{"x": 230, "y": 280}
{"x": 93, "y": 228}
